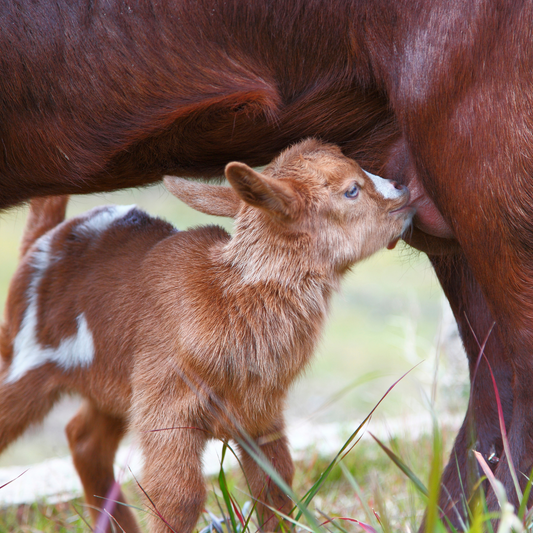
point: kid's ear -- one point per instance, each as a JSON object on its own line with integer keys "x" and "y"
{"x": 209, "y": 199}
{"x": 277, "y": 197}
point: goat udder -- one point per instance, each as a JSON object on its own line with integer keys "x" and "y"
{"x": 428, "y": 218}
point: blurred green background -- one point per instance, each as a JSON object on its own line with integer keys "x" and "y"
{"x": 390, "y": 316}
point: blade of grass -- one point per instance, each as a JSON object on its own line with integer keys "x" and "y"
{"x": 109, "y": 505}
{"x": 330, "y": 520}
{"x": 501, "y": 420}
{"x": 403, "y": 467}
{"x": 236, "y": 510}
{"x": 528, "y": 519}
{"x": 311, "y": 493}
{"x": 80, "y": 515}
{"x": 457, "y": 514}
{"x": 381, "y": 514}
{"x": 351, "y": 480}
{"x": 238, "y": 459}
{"x": 476, "y": 524}
{"x": 215, "y": 521}
{"x": 225, "y": 491}
{"x": 250, "y": 514}
{"x": 361, "y": 380}
{"x": 464, "y": 498}
{"x": 477, "y": 519}
{"x": 487, "y": 517}
{"x": 378, "y": 518}
{"x": 503, "y": 431}
{"x": 481, "y": 502}
{"x": 435, "y": 474}
{"x": 366, "y": 527}
{"x": 523, "y": 503}
{"x": 112, "y": 521}
{"x": 124, "y": 504}
{"x": 155, "y": 509}
{"x": 14, "y": 479}
{"x": 496, "y": 485}
{"x": 286, "y": 517}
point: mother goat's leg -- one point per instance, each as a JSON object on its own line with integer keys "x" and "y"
{"x": 473, "y": 157}
{"x": 480, "y": 429}
{"x": 492, "y": 224}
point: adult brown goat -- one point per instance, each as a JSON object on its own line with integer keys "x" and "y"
{"x": 434, "y": 94}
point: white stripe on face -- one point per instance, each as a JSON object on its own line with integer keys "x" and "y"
{"x": 77, "y": 350}
{"x": 384, "y": 187}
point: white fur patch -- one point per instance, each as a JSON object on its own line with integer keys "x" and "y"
{"x": 74, "y": 351}
{"x": 100, "y": 218}
{"x": 384, "y": 187}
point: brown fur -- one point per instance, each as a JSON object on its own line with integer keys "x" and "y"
{"x": 107, "y": 96}
{"x": 196, "y": 334}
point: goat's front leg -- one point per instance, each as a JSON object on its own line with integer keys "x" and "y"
{"x": 268, "y": 495}
{"x": 172, "y": 478}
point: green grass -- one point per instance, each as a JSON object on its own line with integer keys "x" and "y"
{"x": 365, "y": 491}
{"x": 366, "y": 464}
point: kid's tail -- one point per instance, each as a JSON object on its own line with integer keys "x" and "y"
{"x": 45, "y": 214}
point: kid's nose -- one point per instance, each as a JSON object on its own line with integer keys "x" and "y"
{"x": 389, "y": 189}
{"x": 397, "y": 185}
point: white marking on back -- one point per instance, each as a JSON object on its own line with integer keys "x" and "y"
{"x": 74, "y": 351}
{"x": 100, "y": 218}
{"x": 384, "y": 187}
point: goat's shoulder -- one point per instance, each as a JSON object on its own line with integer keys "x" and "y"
{"x": 194, "y": 244}
{"x": 184, "y": 257}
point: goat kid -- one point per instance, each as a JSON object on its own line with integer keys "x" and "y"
{"x": 191, "y": 335}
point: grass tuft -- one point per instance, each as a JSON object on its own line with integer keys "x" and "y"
{"x": 363, "y": 491}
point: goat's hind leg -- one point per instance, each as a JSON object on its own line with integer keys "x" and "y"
{"x": 93, "y": 439}
{"x": 24, "y": 401}
{"x": 481, "y": 429}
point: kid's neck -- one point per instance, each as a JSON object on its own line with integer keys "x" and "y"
{"x": 288, "y": 260}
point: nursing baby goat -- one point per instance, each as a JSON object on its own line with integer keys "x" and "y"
{"x": 184, "y": 336}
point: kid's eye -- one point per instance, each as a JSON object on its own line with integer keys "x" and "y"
{"x": 352, "y": 192}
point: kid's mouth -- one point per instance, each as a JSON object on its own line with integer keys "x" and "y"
{"x": 408, "y": 211}
{"x": 393, "y": 244}
{"x": 405, "y": 205}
